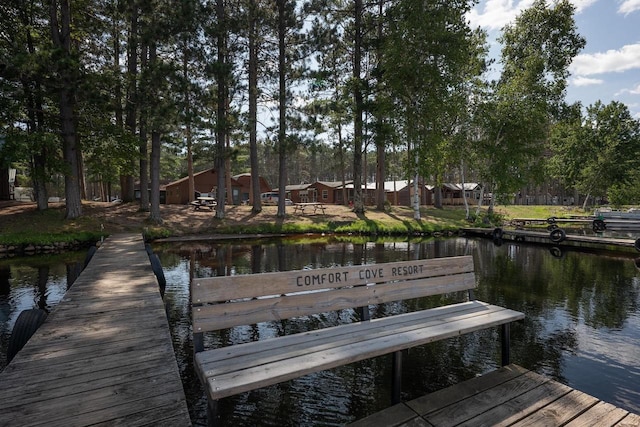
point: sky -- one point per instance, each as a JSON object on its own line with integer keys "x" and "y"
{"x": 608, "y": 68}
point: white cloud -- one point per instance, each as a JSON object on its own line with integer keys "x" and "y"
{"x": 632, "y": 91}
{"x": 586, "y": 81}
{"x": 582, "y": 4}
{"x": 623, "y": 59}
{"x": 629, "y": 6}
{"x": 495, "y": 14}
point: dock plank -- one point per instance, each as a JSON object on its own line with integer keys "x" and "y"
{"x": 508, "y": 396}
{"x": 560, "y": 411}
{"x": 602, "y": 413}
{"x": 104, "y": 355}
{"x": 521, "y": 406}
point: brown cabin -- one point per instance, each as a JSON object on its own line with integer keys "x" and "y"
{"x": 204, "y": 182}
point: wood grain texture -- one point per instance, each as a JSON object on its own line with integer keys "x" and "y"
{"x": 508, "y": 396}
{"x": 104, "y": 355}
{"x": 315, "y": 352}
{"x": 224, "y": 288}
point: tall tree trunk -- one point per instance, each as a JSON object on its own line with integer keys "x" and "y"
{"x": 154, "y": 212}
{"x": 131, "y": 107}
{"x": 464, "y": 193}
{"x": 358, "y": 206}
{"x": 380, "y": 134}
{"x": 254, "y": 197}
{"x": 221, "y": 123}
{"x": 416, "y": 190}
{"x": 343, "y": 166}
{"x": 282, "y": 99}
{"x": 117, "y": 101}
{"x": 61, "y": 37}
{"x": 35, "y": 125}
{"x": 39, "y": 154}
{"x": 188, "y": 134}
{"x": 146, "y": 92}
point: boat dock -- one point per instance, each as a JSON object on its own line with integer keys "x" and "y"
{"x": 104, "y": 355}
{"x": 507, "y": 396}
{"x": 559, "y": 239}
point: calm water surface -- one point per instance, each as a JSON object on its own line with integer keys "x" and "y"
{"x": 582, "y": 323}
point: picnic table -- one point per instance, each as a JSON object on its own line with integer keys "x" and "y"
{"x": 301, "y": 207}
{"x": 204, "y": 202}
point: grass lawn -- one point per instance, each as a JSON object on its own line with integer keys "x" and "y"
{"x": 22, "y": 223}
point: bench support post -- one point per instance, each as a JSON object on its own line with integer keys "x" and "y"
{"x": 506, "y": 344}
{"x": 396, "y": 380}
{"x": 363, "y": 313}
{"x": 198, "y": 342}
{"x": 212, "y": 413}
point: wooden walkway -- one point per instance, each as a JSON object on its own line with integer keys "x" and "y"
{"x": 509, "y": 396}
{"x": 572, "y": 240}
{"x": 104, "y": 355}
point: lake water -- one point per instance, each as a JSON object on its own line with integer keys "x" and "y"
{"x": 582, "y": 324}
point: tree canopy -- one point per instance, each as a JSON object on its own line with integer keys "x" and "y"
{"x": 110, "y": 94}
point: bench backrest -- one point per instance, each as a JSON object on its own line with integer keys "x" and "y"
{"x": 226, "y": 301}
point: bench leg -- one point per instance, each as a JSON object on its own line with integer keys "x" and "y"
{"x": 506, "y": 344}
{"x": 198, "y": 343}
{"x": 212, "y": 413}
{"x": 396, "y": 380}
{"x": 363, "y": 313}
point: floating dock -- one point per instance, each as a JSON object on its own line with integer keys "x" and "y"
{"x": 559, "y": 239}
{"x": 507, "y": 396}
{"x": 104, "y": 355}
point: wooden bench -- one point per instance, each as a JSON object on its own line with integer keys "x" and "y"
{"x": 228, "y": 301}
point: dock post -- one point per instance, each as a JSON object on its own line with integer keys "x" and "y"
{"x": 506, "y": 344}
{"x": 396, "y": 377}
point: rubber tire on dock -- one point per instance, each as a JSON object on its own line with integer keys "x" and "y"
{"x": 556, "y": 252}
{"x": 27, "y": 324}
{"x": 496, "y": 236}
{"x": 497, "y": 233}
{"x": 157, "y": 270}
{"x": 558, "y": 235}
{"x": 599, "y": 225}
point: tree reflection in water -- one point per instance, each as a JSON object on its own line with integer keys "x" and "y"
{"x": 582, "y": 326}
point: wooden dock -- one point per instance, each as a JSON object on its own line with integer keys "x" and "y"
{"x": 544, "y": 237}
{"x": 104, "y": 355}
{"x": 508, "y": 396}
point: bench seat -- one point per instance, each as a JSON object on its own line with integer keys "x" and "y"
{"x": 242, "y": 367}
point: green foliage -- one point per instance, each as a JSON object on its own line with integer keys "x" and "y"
{"x": 37, "y": 238}
{"x": 598, "y": 154}
{"x": 627, "y": 193}
{"x": 428, "y": 45}
{"x": 537, "y": 50}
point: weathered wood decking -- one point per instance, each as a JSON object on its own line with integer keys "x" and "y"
{"x": 104, "y": 355}
{"x": 508, "y": 396}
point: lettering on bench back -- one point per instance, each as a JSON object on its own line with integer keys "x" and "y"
{"x": 373, "y": 273}
{"x": 322, "y": 278}
{"x": 226, "y": 288}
